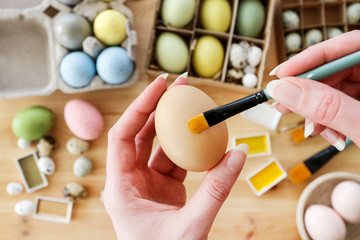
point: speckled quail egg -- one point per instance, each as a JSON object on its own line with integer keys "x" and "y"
{"x": 74, "y": 192}
{"x": 313, "y": 36}
{"x": 291, "y": 19}
{"x": 254, "y": 56}
{"x": 46, "y": 165}
{"x": 14, "y": 188}
{"x": 293, "y": 41}
{"x": 245, "y": 45}
{"x": 234, "y": 75}
{"x": 82, "y": 166}
{"x": 238, "y": 56}
{"x": 333, "y": 32}
{"x": 250, "y": 69}
{"x": 45, "y": 146}
{"x": 250, "y": 80}
{"x": 353, "y": 13}
{"x": 24, "y": 207}
{"x": 77, "y": 146}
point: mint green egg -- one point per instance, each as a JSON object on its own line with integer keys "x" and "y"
{"x": 250, "y": 19}
{"x": 32, "y": 123}
{"x": 172, "y": 53}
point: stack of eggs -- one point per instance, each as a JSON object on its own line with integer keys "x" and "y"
{"x": 94, "y": 47}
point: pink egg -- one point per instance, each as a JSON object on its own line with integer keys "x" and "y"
{"x": 83, "y": 119}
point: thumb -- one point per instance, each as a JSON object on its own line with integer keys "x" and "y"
{"x": 215, "y": 188}
{"x": 319, "y": 103}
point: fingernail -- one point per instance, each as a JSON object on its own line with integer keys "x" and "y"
{"x": 184, "y": 75}
{"x": 309, "y": 129}
{"x": 273, "y": 72}
{"x": 335, "y": 139}
{"x": 234, "y": 162}
{"x": 286, "y": 92}
{"x": 164, "y": 76}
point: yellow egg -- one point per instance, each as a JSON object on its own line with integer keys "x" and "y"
{"x": 208, "y": 56}
{"x": 215, "y": 15}
{"x": 193, "y": 152}
{"x": 109, "y": 27}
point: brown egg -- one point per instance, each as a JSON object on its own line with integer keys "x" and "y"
{"x": 193, "y": 152}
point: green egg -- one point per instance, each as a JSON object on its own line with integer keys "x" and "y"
{"x": 33, "y": 123}
{"x": 250, "y": 19}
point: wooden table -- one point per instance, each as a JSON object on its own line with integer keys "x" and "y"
{"x": 243, "y": 216}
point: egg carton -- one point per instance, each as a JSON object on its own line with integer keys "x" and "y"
{"x": 30, "y": 54}
{"x": 323, "y": 15}
{"x": 194, "y": 30}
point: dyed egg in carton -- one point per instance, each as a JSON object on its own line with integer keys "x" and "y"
{"x": 31, "y": 55}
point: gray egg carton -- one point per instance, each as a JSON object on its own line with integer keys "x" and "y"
{"x": 30, "y": 54}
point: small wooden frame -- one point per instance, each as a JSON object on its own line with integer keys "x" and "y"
{"x": 53, "y": 209}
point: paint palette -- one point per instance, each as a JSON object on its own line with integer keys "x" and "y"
{"x": 259, "y": 144}
{"x": 53, "y": 209}
{"x": 30, "y": 54}
{"x": 266, "y": 177}
{"x": 31, "y": 175}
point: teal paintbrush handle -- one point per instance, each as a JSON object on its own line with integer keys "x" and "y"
{"x": 329, "y": 69}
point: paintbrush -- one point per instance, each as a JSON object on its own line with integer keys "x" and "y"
{"x": 307, "y": 168}
{"x": 214, "y": 116}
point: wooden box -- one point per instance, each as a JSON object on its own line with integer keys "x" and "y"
{"x": 194, "y": 30}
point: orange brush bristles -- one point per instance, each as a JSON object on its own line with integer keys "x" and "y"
{"x": 198, "y": 124}
{"x": 299, "y": 173}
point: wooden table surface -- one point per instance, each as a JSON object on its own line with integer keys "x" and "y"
{"x": 243, "y": 216}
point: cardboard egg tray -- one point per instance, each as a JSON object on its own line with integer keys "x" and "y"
{"x": 194, "y": 30}
{"x": 318, "y": 14}
{"x": 30, "y": 54}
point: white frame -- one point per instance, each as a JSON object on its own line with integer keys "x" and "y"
{"x": 27, "y": 187}
{"x": 65, "y": 219}
{"x": 265, "y": 189}
{"x": 267, "y": 134}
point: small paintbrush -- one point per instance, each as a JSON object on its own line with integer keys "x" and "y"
{"x": 214, "y": 116}
{"x": 307, "y": 168}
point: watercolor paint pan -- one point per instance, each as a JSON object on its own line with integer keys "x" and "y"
{"x": 53, "y": 209}
{"x": 259, "y": 144}
{"x": 266, "y": 177}
{"x": 31, "y": 175}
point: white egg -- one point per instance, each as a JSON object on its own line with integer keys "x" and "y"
{"x": 313, "y": 36}
{"x": 24, "y": 207}
{"x": 323, "y": 223}
{"x": 345, "y": 199}
{"x": 46, "y": 165}
{"x": 333, "y": 32}
{"x": 238, "y": 56}
{"x": 23, "y": 143}
{"x": 353, "y": 13}
{"x": 254, "y": 56}
{"x": 250, "y": 80}
{"x": 293, "y": 41}
{"x": 250, "y": 69}
{"x": 14, "y": 188}
{"x": 291, "y": 19}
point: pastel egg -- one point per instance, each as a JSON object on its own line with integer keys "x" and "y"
{"x": 14, "y": 188}
{"x": 208, "y": 56}
{"x": 193, "y": 152}
{"x": 291, "y": 19}
{"x": 250, "y": 18}
{"x": 70, "y": 2}
{"x": 83, "y": 119}
{"x": 250, "y": 80}
{"x": 293, "y": 41}
{"x": 333, "y": 32}
{"x": 114, "y": 65}
{"x": 353, "y": 13}
{"x": 24, "y": 207}
{"x": 178, "y": 13}
{"x": 32, "y": 123}
{"x": 82, "y": 167}
{"x": 71, "y": 29}
{"x": 109, "y": 27}
{"x": 172, "y": 53}
{"x": 23, "y": 143}
{"x": 215, "y": 15}
{"x": 46, "y": 165}
{"x": 313, "y": 36}
{"x": 77, "y": 69}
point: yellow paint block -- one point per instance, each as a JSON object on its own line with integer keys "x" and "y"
{"x": 259, "y": 144}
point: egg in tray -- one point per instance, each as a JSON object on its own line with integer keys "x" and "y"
{"x": 218, "y": 42}
{"x": 65, "y": 45}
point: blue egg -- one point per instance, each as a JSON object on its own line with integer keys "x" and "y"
{"x": 114, "y": 65}
{"x": 77, "y": 69}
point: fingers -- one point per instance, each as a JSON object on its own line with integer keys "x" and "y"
{"x": 215, "y": 187}
{"x": 319, "y": 103}
{"x": 121, "y": 138}
{"x": 321, "y": 53}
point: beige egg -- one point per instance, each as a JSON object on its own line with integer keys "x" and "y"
{"x": 193, "y": 152}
